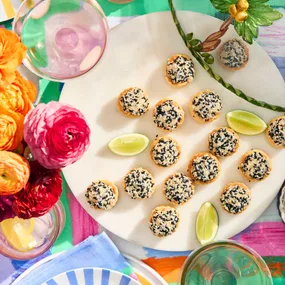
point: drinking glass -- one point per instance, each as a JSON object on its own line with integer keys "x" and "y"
{"x": 64, "y": 38}
{"x": 47, "y": 229}
{"x": 225, "y": 263}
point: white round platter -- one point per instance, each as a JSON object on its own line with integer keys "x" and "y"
{"x": 135, "y": 56}
{"x": 140, "y": 268}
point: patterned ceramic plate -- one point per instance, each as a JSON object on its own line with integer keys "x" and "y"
{"x": 91, "y": 276}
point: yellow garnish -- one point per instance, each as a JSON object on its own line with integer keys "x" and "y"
{"x": 242, "y": 5}
{"x": 18, "y": 233}
{"x": 233, "y": 10}
{"x": 241, "y": 16}
{"x": 238, "y": 11}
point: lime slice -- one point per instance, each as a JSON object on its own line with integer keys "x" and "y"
{"x": 245, "y": 123}
{"x": 129, "y": 144}
{"x": 18, "y": 233}
{"x": 207, "y": 223}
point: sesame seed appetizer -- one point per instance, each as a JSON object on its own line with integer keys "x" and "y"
{"x": 255, "y": 165}
{"x": 233, "y": 55}
{"x": 204, "y": 168}
{"x": 223, "y": 142}
{"x": 165, "y": 151}
{"x": 133, "y": 102}
{"x": 168, "y": 115}
{"x": 235, "y": 198}
{"x": 164, "y": 221}
{"x": 179, "y": 70}
{"x": 102, "y": 194}
{"x": 178, "y": 188}
{"x": 206, "y": 106}
{"x": 139, "y": 184}
{"x": 276, "y": 132}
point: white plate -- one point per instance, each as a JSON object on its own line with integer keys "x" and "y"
{"x": 91, "y": 276}
{"x": 136, "y": 56}
{"x": 140, "y": 268}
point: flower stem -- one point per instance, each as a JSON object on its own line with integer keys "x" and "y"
{"x": 216, "y": 76}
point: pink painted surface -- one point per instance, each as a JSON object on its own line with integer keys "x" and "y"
{"x": 82, "y": 224}
{"x": 266, "y": 238}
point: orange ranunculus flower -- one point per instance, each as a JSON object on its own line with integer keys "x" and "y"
{"x": 12, "y": 52}
{"x": 11, "y": 129}
{"x": 14, "y": 172}
{"x": 19, "y": 96}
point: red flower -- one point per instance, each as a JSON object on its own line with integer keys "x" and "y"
{"x": 40, "y": 194}
{"x": 6, "y": 211}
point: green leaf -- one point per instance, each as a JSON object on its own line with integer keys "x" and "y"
{"x": 238, "y": 28}
{"x": 252, "y": 26}
{"x": 198, "y": 48}
{"x": 205, "y": 54}
{"x": 194, "y": 42}
{"x": 257, "y": 1}
{"x": 189, "y": 36}
{"x": 210, "y": 59}
{"x": 223, "y": 5}
{"x": 259, "y": 14}
{"x": 263, "y": 15}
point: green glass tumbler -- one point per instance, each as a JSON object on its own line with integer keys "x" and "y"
{"x": 225, "y": 263}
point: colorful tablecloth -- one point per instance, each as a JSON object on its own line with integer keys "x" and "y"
{"x": 266, "y": 235}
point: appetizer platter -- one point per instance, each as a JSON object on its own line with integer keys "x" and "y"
{"x": 191, "y": 156}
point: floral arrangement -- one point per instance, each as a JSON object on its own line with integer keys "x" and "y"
{"x": 35, "y": 142}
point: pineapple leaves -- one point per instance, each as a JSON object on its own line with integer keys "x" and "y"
{"x": 259, "y": 14}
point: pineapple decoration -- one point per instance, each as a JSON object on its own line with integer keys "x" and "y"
{"x": 247, "y": 16}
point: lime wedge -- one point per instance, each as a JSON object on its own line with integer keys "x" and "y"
{"x": 245, "y": 123}
{"x": 207, "y": 223}
{"x": 129, "y": 144}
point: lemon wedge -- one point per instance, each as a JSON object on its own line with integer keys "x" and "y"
{"x": 18, "y": 233}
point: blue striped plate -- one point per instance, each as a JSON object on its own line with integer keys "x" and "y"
{"x": 91, "y": 276}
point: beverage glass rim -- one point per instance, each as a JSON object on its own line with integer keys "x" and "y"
{"x": 196, "y": 252}
{"x": 34, "y": 71}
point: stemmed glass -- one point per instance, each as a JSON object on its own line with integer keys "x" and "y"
{"x": 64, "y": 38}
{"x": 225, "y": 263}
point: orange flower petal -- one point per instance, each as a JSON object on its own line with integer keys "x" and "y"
{"x": 14, "y": 172}
{"x": 12, "y": 52}
{"x": 11, "y": 129}
{"x": 19, "y": 96}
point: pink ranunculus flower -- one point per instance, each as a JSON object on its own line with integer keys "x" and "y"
{"x": 56, "y": 134}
